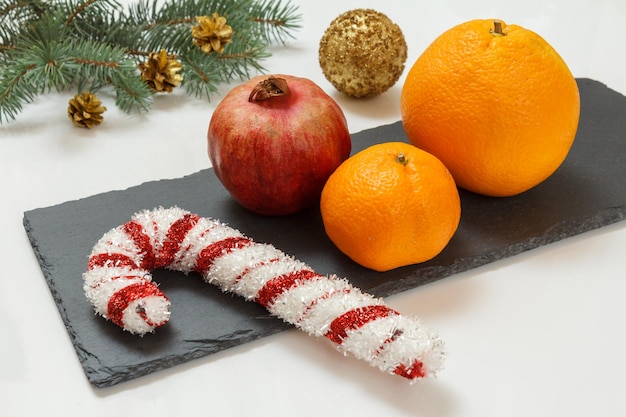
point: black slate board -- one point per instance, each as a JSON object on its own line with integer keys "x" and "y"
{"x": 587, "y": 192}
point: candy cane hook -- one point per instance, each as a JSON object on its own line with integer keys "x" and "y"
{"x": 119, "y": 285}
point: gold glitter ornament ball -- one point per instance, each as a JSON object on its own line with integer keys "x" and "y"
{"x": 362, "y": 53}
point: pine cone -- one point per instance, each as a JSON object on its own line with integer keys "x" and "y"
{"x": 85, "y": 110}
{"x": 160, "y": 72}
{"x": 211, "y": 33}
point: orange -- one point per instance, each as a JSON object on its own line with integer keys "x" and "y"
{"x": 498, "y": 106}
{"x": 390, "y": 205}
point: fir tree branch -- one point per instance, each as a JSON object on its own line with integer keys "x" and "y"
{"x": 88, "y": 18}
{"x": 13, "y": 14}
{"x": 131, "y": 94}
{"x": 275, "y": 19}
{"x": 89, "y": 44}
{"x": 200, "y": 73}
{"x": 238, "y": 61}
{"x": 78, "y": 10}
{"x": 22, "y": 10}
{"x": 14, "y": 92}
{"x": 51, "y": 66}
{"x": 98, "y": 63}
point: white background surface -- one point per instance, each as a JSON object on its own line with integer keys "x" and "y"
{"x": 540, "y": 334}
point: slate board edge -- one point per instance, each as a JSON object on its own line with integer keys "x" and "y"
{"x": 430, "y": 275}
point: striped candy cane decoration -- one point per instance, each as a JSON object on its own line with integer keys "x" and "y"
{"x": 119, "y": 285}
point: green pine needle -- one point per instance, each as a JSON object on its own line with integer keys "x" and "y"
{"x": 90, "y": 44}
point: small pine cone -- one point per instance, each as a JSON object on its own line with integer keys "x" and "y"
{"x": 160, "y": 72}
{"x": 85, "y": 110}
{"x": 211, "y": 33}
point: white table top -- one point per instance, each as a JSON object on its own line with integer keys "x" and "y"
{"x": 538, "y": 334}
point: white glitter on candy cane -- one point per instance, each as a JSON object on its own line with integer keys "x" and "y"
{"x": 303, "y": 304}
{"x": 194, "y": 241}
{"x": 363, "y": 343}
{"x": 250, "y": 283}
{"x": 318, "y": 317}
{"x": 115, "y": 240}
{"x": 228, "y": 270}
{"x": 156, "y": 226}
{"x": 157, "y": 308}
{"x": 360, "y": 324}
{"x": 99, "y": 293}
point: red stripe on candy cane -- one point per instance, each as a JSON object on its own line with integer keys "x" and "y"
{"x": 355, "y": 319}
{"x": 111, "y": 259}
{"x": 416, "y": 370}
{"x": 121, "y": 299}
{"x": 136, "y": 232}
{"x": 278, "y": 285}
{"x": 174, "y": 238}
{"x": 209, "y": 254}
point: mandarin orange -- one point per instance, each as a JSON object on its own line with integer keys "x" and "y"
{"x": 495, "y": 103}
{"x": 390, "y": 205}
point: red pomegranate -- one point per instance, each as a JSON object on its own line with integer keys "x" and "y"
{"x": 274, "y": 141}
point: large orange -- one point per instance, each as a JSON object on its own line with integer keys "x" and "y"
{"x": 390, "y": 205}
{"x": 497, "y": 105}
